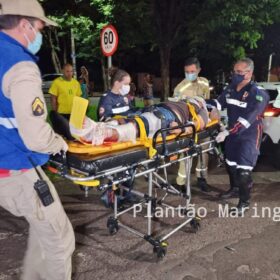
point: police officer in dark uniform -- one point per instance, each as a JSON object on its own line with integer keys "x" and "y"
{"x": 115, "y": 101}
{"x": 245, "y": 103}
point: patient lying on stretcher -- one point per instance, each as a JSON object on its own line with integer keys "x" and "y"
{"x": 164, "y": 115}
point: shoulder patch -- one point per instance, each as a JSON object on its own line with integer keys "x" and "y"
{"x": 259, "y": 98}
{"x": 38, "y": 107}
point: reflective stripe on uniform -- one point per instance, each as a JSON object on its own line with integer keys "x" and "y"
{"x": 244, "y": 122}
{"x": 231, "y": 163}
{"x": 120, "y": 110}
{"x": 203, "y": 82}
{"x": 182, "y": 175}
{"x": 8, "y": 122}
{"x": 237, "y": 103}
{"x": 219, "y": 106}
{"x": 201, "y": 169}
{"x": 246, "y": 167}
{"x": 184, "y": 87}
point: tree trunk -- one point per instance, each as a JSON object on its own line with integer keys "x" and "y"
{"x": 104, "y": 74}
{"x": 56, "y": 62}
{"x": 164, "y": 70}
{"x": 54, "y": 56}
{"x": 167, "y": 16}
{"x": 64, "y": 51}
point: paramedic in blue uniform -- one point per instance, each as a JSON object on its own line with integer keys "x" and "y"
{"x": 26, "y": 141}
{"x": 245, "y": 103}
{"x": 115, "y": 101}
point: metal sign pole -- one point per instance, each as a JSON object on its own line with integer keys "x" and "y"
{"x": 109, "y": 66}
{"x": 269, "y": 66}
{"x": 73, "y": 54}
{"x": 109, "y": 61}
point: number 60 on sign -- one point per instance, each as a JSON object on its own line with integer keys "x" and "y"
{"x": 109, "y": 40}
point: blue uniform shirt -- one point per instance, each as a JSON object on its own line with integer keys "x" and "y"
{"x": 244, "y": 108}
{"x": 112, "y": 104}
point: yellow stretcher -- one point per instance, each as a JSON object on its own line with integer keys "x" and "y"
{"x": 115, "y": 166}
{"x": 76, "y": 120}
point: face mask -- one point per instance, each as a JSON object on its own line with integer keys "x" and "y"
{"x": 124, "y": 90}
{"x": 191, "y": 76}
{"x": 34, "y": 46}
{"x": 237, "y": 79}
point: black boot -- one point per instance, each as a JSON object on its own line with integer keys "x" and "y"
{"x": 180, "y": 188}
{"x": 234, "y": 190}
{"x": 241, "y": 207}
{"x": 244, "y": 182}
{"x": 231, "y": 193}
{"x": 202, "y": 184}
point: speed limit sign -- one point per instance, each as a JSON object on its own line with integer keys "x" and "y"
{"x": 109, "y": 40}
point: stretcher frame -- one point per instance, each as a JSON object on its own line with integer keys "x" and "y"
{"x": 149, "y": 168}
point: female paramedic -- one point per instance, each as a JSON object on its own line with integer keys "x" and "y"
{"x": 114, "y": 102}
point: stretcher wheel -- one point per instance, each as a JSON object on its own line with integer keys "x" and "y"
{"x": 184, "y": 211}
{"x": 195, "y": 224}
{"x": 82, "y": 188}
{"x": 112, "y": 225}
{"x": 112, "y": 229}
{"x": 160, "y": 250}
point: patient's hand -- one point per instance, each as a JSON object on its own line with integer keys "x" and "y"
{"x": 214, "y": 115}
{"x": 199, "y": 123}
{"x": 177, "y": 131}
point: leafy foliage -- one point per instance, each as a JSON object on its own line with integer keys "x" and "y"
{"x": 218, "y": 31}
{"x": 235, "y": 26}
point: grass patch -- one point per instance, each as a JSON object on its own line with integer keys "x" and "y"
{"x": 139, "y": 103}
{"x": 92, "y": 112}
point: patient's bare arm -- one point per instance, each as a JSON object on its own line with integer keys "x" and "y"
{"x": 215, "y": 115}
{"x": 179, "y": 130}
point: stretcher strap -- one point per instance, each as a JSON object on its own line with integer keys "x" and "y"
{"x": 195, "y": 118}
{"x": 144, "y": 138}
{"x": 117, "y": 117}
{"x": 147, "y": 142}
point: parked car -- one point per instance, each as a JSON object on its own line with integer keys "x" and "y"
{"x": 271, "y": 133}
{"x": 47, "y": 81}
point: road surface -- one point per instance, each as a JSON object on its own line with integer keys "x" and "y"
{"x": 224, "y": 248}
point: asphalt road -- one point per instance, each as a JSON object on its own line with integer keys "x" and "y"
{"x": 224, "y": 248}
